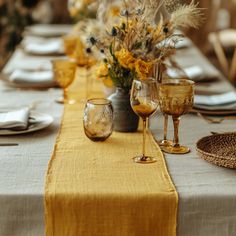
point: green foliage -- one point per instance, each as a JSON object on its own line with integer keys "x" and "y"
{"x": 121, "y": 77}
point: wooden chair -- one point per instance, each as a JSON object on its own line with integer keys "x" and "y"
{"x": 221, "y": 41}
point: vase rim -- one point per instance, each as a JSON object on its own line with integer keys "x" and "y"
{"x": 123, "y": 89}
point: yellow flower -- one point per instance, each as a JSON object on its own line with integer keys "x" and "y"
{"x": 102, "y": 70}
{"x": 102, "y": 73}
{"x": 143, "y": 68}
{"x": 115, "y": 11}
{"x": 73, "y": 11}
{"x": 88, "y": 1}
{"x": 125, "y": 58}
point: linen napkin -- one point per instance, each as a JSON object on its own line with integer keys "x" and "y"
{"x": 17, "y": 119}
{"x": 31, "y": 77}
{"x": 225, "y": 102}
{"x": 216, "y": 100}
{"x": 45, "y": 47}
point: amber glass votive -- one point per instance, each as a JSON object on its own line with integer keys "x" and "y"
{"x": 98, "y": 119}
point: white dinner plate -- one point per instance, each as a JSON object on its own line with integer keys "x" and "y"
{"x": 39, "y": 121}
{"x": 44, "y": 30}
{"x": 29, "y": 84}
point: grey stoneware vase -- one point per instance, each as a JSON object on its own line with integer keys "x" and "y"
{"x": 125, "y": 120}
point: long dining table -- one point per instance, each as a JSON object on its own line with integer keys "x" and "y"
{"x": 207, "y": 193}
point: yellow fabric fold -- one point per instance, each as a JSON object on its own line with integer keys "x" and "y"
{"x": 95, "y": 188}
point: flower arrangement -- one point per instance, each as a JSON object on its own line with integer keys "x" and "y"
{"x": 142, "y": 39}
{"x": 81, "y": 9}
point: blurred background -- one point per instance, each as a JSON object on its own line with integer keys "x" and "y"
{"x": 216, "y": 38}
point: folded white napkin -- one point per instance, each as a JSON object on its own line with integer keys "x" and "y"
{"x": 216, "y": 100}
{"x": 31, "y": 77}
{"x": 17, "y": 119}
{"x": 45, "y": 48}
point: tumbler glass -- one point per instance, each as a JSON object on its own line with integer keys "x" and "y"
{"x": 98, "y": 119}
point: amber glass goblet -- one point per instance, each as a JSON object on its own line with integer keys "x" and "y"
{"x": 176, "y": 99}
{"x": 98, "y": 119}
{"x": 174, "y": 72}
{"x": 70, "y": 43}
{"x": 64, "y": 74}
{"x": 85, "y": 59}
{"x": 144, "y": 102}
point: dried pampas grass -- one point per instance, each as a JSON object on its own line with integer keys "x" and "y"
{"x": 187, "y": 16}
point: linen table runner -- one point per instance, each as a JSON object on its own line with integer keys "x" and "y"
{"x": 94, "y": 188}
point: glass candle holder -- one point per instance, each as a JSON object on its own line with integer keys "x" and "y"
{"x": 98, "y": 119}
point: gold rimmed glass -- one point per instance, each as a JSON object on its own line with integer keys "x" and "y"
{"x": 176, "y": 99}
{"x": 64, "y": 74}
{"x": 98, "y": 119}
{"x": 144, "y": 102}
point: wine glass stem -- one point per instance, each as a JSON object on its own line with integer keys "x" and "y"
{"x": 65, "y": 94}
{"x": 176, "y": 120}
{"x": 165, "y": 126}
{"x": 144, "y": 137}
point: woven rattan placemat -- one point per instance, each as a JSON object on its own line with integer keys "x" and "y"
{"x": 219, "y": 149}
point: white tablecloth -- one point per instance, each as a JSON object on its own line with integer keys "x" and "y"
{"x": 207, "y": 193}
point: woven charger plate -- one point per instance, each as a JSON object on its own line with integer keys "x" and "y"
{"x": 219, "y": 149}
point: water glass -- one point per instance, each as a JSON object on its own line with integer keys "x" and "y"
{"x": 98, "y": 119}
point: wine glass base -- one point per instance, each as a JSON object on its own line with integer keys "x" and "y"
{"x": 175, "y": 150}
{"x": 144, "y": 160}
{"x": 62, "y": 101}
{"x": 165, "y": 142}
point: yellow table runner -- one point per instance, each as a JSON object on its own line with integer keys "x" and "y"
{"x": 94, "y": 188}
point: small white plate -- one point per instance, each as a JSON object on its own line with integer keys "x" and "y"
{"x": 40, "y": 121}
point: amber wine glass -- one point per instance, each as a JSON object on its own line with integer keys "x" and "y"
{"x": 144, "y": 102}
{"x": 70, "y": 42}
{"x": 64, "y": 74}
{"x": 176, "y": 99}
{"x": 84, "y": 58}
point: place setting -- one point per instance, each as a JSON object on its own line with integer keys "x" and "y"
{"x": 29, "y": 79}
{"x": 39, "y": 46}
{"x": 22, "y": 120}
{"x": 218, "y": 104}
{"x": 48, "y": 30}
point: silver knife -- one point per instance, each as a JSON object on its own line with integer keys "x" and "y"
{"x": 9, "y": 144}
